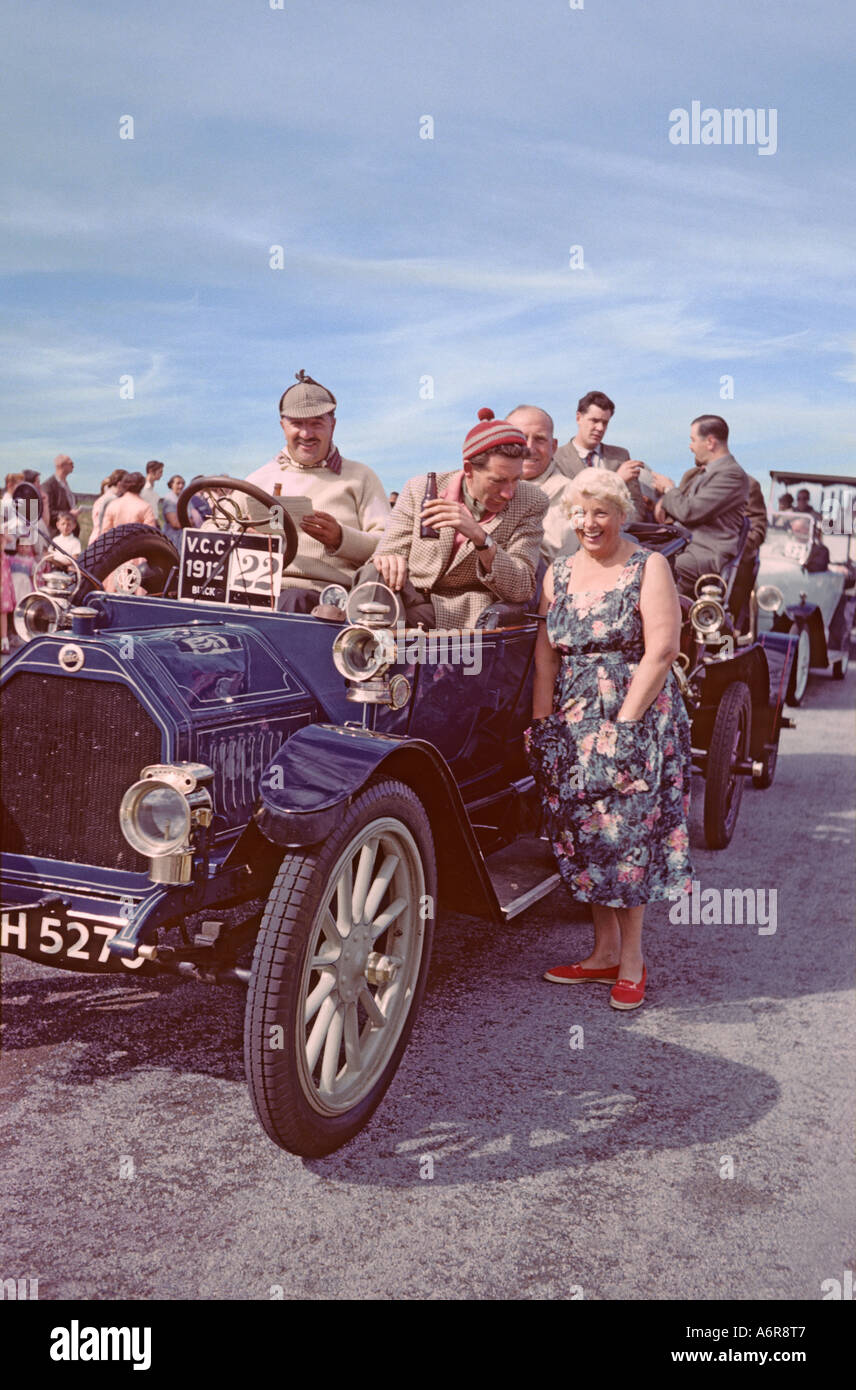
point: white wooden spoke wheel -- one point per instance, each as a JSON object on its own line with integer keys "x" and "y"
{"x": 339, "y": 971}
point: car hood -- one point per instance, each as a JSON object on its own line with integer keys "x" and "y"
{"x": 823, "y": 589}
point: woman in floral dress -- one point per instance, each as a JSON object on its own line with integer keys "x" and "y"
{"x": 610, "y": 742}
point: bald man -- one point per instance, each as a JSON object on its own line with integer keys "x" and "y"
{"x": 59, "y": 494}
{"x": 540, "y": 468}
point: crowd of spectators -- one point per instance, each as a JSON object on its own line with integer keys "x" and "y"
{"x": 131, "y": 497}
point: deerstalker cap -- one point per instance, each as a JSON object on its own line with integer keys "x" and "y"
{"x": 307, "y": 399}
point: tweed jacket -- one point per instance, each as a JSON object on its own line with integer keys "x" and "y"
{"x": 711, "y": 502}
{"x": 460, "y": 589}
{"x": 568, "y": 461}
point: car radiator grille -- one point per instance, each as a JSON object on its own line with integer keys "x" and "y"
{"x": 70, "y": 750}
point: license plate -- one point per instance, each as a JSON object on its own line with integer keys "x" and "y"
{"x": 72, "y": 942}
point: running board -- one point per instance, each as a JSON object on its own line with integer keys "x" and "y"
{"x": 522, "y": 873}
{"x": 518, "y": 905}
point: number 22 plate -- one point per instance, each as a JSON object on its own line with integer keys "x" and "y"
{"x": 255, "y": 572}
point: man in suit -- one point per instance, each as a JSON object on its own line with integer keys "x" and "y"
{"x": 489, "y": 526}
{"x": 587, "y": 449}
{"x": 59, "y": 494}
{"x": 710, "y": 502}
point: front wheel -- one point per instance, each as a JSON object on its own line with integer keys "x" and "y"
{"x": 339, "y": 971}
{"x": 729, "y": 745}
{"x": 799, "y": 670}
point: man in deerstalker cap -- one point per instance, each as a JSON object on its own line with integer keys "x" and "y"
{"x": 350, "y": 508}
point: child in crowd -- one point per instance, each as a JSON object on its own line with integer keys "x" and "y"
{"x": 66, "y": 537}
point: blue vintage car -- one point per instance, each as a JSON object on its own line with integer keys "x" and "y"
{"x": 225, "y": 778}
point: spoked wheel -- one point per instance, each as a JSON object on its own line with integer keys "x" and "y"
{"x": 729, "y": 745}
{"x": 137, "y": 556}
{"x": 800, "y": 669}
{"x": 339, "y": 972}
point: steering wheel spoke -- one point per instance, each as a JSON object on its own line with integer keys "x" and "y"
{"x": 268, "y": 516}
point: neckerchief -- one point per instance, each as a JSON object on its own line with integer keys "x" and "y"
{"x": 333, "y": 461}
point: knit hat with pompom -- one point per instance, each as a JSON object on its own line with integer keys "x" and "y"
{"x": 489, "y": 433}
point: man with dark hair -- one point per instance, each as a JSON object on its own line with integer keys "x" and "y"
{"x": 785, "y": 503}
{"x": 803, "y": 502}
{"x": 150, "y": 494}
{"x": 489, "y": 527}
{"x": 587, "y": 449}
{"x": 59, "y": 494}
{"x": 710, "y": 501}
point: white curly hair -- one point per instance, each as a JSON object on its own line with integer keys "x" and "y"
{"x": 602, "y": 484}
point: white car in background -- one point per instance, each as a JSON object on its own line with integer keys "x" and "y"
{"x": 807, "y": 576}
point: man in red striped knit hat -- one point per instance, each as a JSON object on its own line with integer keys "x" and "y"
{"x": 489, "y": 526}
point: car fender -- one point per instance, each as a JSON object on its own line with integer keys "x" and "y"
{"x": 321, "y": 768}
{"x": 751, "y": 665}
{"x": 809, "y": 616}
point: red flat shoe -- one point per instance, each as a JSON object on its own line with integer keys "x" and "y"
{"x": 626, "y": 994}
{"x": 580, "y": 974}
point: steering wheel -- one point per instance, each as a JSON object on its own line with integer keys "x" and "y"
{"x": 268, "y": 518}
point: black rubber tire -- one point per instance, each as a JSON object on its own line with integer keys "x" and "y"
{"x": 730, "y": 740}
{"x": 123, "y": 543}
{"x": 276, "y": 998}
{"x": 841, "y": 666}
{"x": 793, "y": 698}
{"x": 251, "y": 490}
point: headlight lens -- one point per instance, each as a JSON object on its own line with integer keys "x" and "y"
{"x": 707, "y": 616}
{"x": 770, "y": 599}
{"x": 360, "y": 653}
{"x": 36, "y": 615}
{"x": 155, "y": 818}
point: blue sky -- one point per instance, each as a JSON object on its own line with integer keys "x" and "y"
{"x": 406, "y": 257}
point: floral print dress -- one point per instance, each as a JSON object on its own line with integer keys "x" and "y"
{"x": 616, "y": 795}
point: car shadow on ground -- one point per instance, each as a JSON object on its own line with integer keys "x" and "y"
{"x": 124, "y": 1024}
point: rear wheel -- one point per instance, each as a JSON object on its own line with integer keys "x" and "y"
{"x": 840, "y": 667}
{"x": 771, "y": 757}
{"x": 339, "y": 971}
{"x": 122, "y": 545}
{"x": 729, "y": 745}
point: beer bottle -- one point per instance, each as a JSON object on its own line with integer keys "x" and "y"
{"x": 427, "y": 532}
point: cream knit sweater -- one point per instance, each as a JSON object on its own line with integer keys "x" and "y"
{"x": 355, "y": 497}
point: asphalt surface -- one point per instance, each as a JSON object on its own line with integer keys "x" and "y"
{"x": 133, "y": 1166}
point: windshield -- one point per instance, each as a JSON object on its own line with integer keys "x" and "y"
{"x": 790, "y": 534}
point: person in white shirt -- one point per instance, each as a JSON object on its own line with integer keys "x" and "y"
{"x": 559, "y": 538}
{"x": 350, "y": 507}
{"x": 150, "y": 494}
{"x": 66, "y": 538}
